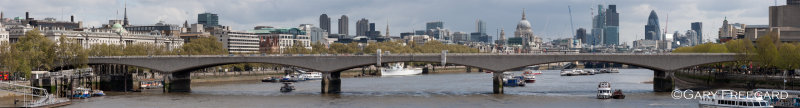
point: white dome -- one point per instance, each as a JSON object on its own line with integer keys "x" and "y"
{"x": 524, "y": 24}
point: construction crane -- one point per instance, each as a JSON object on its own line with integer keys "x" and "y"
{"x": 666, "y": 27}
{"x": 570, "y": 21}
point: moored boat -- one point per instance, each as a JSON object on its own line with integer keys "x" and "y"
{"x": 567, "y": 72}
{"x": 98, "y": 93}
{"x": 530, "y": 76}
{"x": 398, "y": 69}
{"x": 510, "y": 80}
{"x": 271, "y": 79}
{"x": 81, "y": 93}
{"x": 725, "y": 98}
{"x": 311, "y": 75}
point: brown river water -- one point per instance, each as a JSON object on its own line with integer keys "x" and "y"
{"x": 419, "y": 91}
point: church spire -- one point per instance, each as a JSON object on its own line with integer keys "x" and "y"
{"x": 387, "y": 27}
{"x": 523, "y": 14}
{"x": 125, "y": 23}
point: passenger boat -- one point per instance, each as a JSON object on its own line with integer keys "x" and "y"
{"x": 397, "y": 69}
{"x": 287, "y": 87}
{"x": 604, "y": 90}
{"x": 618, "y": 94}
{"x": 530, "y": 76}
{"x": 567, "y": 72}
{"x": 578, "y": 72}
{"x": 725, "y": 98}
{"x": 292, "y": 78}
{"x": 311, "y": 76}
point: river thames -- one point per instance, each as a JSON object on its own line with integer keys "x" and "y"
{"x": 432, "y": 90}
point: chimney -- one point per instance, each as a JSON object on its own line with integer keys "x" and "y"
{"x": 72, "y": 18}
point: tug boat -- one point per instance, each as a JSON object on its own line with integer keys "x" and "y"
{"x": 618, "y": 94}
{"x": 287, "y": 87}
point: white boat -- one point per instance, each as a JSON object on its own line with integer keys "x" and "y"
{"x": 579, "y": 72}
{"x": 568, "y": 72}
{"x": 590, "y": 71}
{"x": 724, "y": 98}
{"x": 613, "y": 70}
{"x": 604, "y": 90}
{"x": 397, "y": 69}
{"x": 530, "y": 76}
{"x": 311, "y": 76}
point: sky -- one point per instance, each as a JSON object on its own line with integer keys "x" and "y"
{"x": 550, "y": 19}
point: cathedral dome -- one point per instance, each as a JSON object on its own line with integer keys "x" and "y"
{"x": 524, "y": 25}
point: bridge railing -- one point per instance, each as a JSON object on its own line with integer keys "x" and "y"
{"x": 404, "y": 54}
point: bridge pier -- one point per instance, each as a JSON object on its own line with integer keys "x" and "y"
{"x": 497, "y": 82}
{"x": 179, "y": 82}
{"x": 331, "y": 82}
{"x": 662, "y": 82}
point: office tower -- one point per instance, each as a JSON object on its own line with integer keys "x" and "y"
{"x": 697, "y": 27}
{"x": 581, "y": 34}
{"x": 325, "y": 22}
{"x": 652, "y": 29}
{"x": 434, "y": 25}
{"x": 343, "y": 25}
{"x": 611, "y": 33}
{"x": 362, "y": 26}
{"x": 208, "y": 19}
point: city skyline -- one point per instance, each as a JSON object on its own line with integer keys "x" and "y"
{"x": 549, "y": 19}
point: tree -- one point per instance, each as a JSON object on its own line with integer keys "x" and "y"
{"x": 70, "y": 51}
{"x": 767, "y": 52}
{"x": 297, "y": 48}
{"x": 788, "y": 56}
{"x": 318, "y": 48}
{"x": 204, "y": 46}
{"x": 33, "y": 52}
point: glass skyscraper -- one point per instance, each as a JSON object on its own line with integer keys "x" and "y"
{"x": 208, "y": 19}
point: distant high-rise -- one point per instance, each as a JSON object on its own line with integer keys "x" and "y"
{"x": 208, "y": 19}
{"x": 697, "y": 27}
{"x": 325, "y": 22}
{"x": 652, "y": 29}
{"x": 598, "y": 27}
{"x": 343, "y": 25}
{"x": 480, "y": 26}
{"x": 362, "y": 26}
{"x": 434, "y": 25}
{"x": 611, "y": 33}
{"x": 581, "y": 34}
